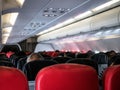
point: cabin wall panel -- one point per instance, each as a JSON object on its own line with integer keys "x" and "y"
{"x": 94, "y": 45}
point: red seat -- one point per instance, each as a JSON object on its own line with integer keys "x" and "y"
{"x": 12, "y": 79}
{"x": 111, "y": 78}
{"x": 67, "y": 77}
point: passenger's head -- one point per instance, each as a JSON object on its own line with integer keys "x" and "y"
{"x": 112, "y": 53}
{"x": 116, "y": 60}
{"x": 34, "y": 56}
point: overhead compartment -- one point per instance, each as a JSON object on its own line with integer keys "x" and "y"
{"x": 76, "y": 28}
{"x": 106, "y": 19}
{"x": 109, "y": 18}
{"x": 68, "y": 30}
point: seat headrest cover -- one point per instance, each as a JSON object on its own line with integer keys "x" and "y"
{"x": 67, "y": 77}
{"x": 12, "y": 79}
{"x": 111, "y": 78}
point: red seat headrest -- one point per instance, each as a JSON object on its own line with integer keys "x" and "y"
{"x": 12, "y": 79}
{"x": 67, "y": 77}
{"x": 111, "y": 78}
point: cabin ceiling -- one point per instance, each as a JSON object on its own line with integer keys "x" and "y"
{"x": 35, "y": 16}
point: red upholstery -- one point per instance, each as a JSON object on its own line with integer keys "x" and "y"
{"x": 111, "y": 78}
{"x": 12, "y": 79}
{"x": 8, "y": 54}
{"x": 67, "y": 77}
{"x": 52, "y": 53}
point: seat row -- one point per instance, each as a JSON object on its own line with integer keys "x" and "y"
{"x": 61, "y": 77}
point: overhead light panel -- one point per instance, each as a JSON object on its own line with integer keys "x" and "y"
{"x": 13, "y": 17}
{"x": 4, "y": 40}
{"x": 6, "y": 30}
{"x": 21, "y": 2}
{"x": 5, "y": 34}
{"x": 8, "y": 20}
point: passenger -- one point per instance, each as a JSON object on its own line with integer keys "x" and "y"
{"x": 70, "y": 54}
{"x": 87, "y": 55}
{"x": 111, "y": 55}
{"x": 116, "y": 60}
{"x": 90, "y": 54}
{"x": 34, "y": 56}
{"x": 44, "y": 54}
{"x": 62, "y": 54}
{"x": 56, "y": 53}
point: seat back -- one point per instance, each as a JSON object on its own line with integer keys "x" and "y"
{"x": 111, "y": 78}
{"x": 6, "y": 63}
{"x": 67, "y": 77}
{"x": 21, "y": 63}
{"x": 102, "y": 60}
{"x": 12, "y": 79}
{"x": 31, "y": 69}
{"x": 101, "y": 69}
{"x": 61, "y": 59}
{"x": 85, "y": 62}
